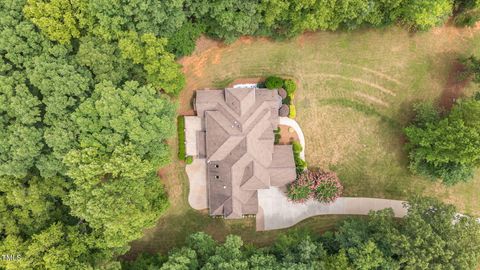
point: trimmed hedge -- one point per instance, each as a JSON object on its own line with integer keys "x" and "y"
{"x": 274, "y": 82}
{"x": 293, "y": 111}
{"x": 181, "y": 137}
{"x": 290, "y": 86}
{"x": 300, "y": 164}
{"x": 297, "y": 147}
{"x": 276, "y": 132}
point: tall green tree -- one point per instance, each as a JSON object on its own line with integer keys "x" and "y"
{"x": 60, "y": 20}
{"x": 138, "y": 115}
{"x": 120, "y": 181}
{"x": 20, "y": 138}
{"x": 448, "y": 149}
{"x": 227, "y": 19}
{"x": 161, "y": 69}
{"x": 425, "y": 14}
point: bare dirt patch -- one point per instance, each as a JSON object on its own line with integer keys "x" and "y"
{"x": 454, "y": 87}
{"x": 287, "y": 137}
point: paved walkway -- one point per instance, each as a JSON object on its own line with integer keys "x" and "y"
{"x": 293, "y": 124}
{"x": 197, "y": 174}
{"x": 277, "y": 212}
{"x": 192, "y": 125}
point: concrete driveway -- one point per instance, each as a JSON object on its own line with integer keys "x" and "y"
{"x": 197, "y": 176}
{"x": 277, "y": 212}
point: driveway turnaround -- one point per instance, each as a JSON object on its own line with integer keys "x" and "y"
{"x": 197, "y": 176}
{"x": 277, "y": 212}
{"x": 293, "y": 124}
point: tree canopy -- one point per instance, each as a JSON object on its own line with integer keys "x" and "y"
{"x": 83, "y": 129}
{"x": 447, "y": 147}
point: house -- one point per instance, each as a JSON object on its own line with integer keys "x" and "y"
{"x": 234, "y": 136}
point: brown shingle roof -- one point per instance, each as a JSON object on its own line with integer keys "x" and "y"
{"x": 241, "y": 157}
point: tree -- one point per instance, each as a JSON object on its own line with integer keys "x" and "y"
{"x": 20, "y": 138}
{"x": 121, "y": 181}
{"x": 161, "y": 69}
{"x": 227, "y": 19}
{"x": 423, "y": 15}
{"x": 63, "y": 86}
{"x": 120, "y": 133}
{"x": 104, "y": 61}
{"x": 51, "y": 211}
{"x": 109, "y": 19}
{"x": 27, "y": 205}
{"x": 133, "y": 114}
{"x": 60, "y": 20}
{"x": 182, "y": 42}
{"x": 366, "y": 256}
{"x": 448, "y": 149}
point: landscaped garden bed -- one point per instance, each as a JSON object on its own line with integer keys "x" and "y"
{"x": 322, "y": 186}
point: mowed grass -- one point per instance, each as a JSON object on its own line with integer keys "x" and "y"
{"x": 356, "y": 90}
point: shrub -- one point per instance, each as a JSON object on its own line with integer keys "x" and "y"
{"x": 290, "y": 86}
{"x": 476, "y": 96}
{"x": 300, "y": 164}
{"x": 324, "y": 187}
{"x": 297, "y": 147}
{"x": 274, "y": 82}
{"x": 277, "y": 135}
{"x": 293, "y": 111}
{"x": 472, "y": 67}
{"x": 282, "y": 93}
{"x": 467, "y": 19}
{"x": 287, "y": 100}
{"x": 299, "y": 190}
{"x": 181, "y": 137}
{"x": 189, "y": 160}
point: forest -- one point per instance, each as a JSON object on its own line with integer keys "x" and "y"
{"x": 87, "y": 104}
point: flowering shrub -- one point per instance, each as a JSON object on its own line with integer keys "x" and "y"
{"x": 324, "y": 187}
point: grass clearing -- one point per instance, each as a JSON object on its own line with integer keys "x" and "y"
{"x": 355, "y": 95}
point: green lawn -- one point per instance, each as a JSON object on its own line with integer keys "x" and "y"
{"x": 355, "y": 95}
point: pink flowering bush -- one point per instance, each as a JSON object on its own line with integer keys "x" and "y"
{"x": 324, "y": 187}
